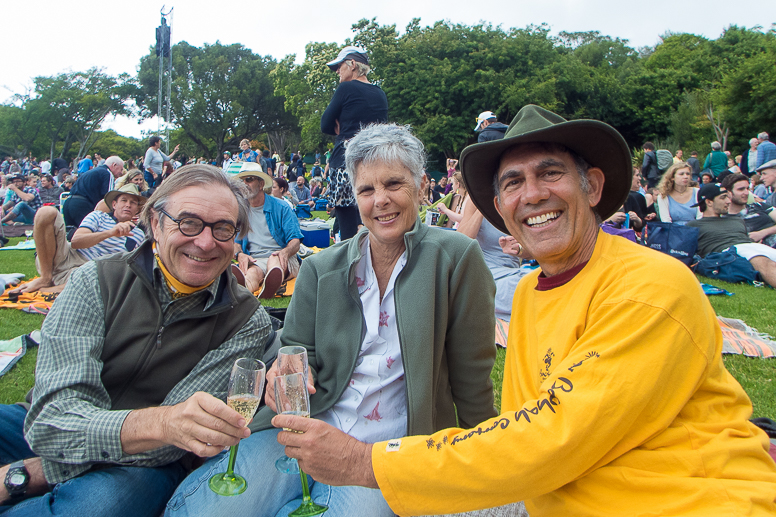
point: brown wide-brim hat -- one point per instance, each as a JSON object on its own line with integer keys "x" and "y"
{"x": 129, "y": 188}
{"x": 598, "y": 143}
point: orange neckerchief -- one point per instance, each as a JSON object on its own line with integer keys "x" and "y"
{"x": 177, "y": 288}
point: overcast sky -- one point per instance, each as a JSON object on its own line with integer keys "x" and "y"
{"x": 47, "y": 37}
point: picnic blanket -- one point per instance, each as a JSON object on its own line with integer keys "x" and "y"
{"x": 22, "y": 245}
{"x": 510, "y": 510}
{"x": 35, "y": 303}
{"x": 12, "y": 350}
{"x": 289, "y": 289}
{"x": 286, "y": 289}
{"x": 739, "y": 338}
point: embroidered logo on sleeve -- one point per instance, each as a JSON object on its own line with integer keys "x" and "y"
{"x": 393, "y": 445}
{"x": 547, "y": 364}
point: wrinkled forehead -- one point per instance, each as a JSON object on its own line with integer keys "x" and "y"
{"x": 208, "y": 202}
{"x": 535, "y": 154}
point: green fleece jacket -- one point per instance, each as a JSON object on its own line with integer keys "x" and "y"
{"x": 444, "y": 310}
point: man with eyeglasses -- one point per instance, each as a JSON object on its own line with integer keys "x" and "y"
{"x": 134, "y": 363}
{"x": 266, "y": 256}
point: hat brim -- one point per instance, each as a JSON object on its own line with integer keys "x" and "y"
{"x": 259, "y": 174}
{"x": 767, "y": 165}
{"x": 598, "y": 143}
{"x": 111, "y": 196}
{"x": 334, "y": 65}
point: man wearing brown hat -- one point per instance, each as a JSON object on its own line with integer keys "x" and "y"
{"x": 615, "y": 399}
{"x": 99, "y": 234}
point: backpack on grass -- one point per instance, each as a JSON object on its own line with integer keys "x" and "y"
{"x": 727, "y": 266}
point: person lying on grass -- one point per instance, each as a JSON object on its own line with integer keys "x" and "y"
{"x": 99, "y": 234}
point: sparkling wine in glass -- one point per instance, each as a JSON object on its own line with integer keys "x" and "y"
{"x": 27, "y": 235}
{"x": 291, "y": 359}
{"x": 292, "y": 398}
{"x": 245, "y": 386}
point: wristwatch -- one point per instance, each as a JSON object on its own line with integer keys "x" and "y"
{"x": 16, "y": 479}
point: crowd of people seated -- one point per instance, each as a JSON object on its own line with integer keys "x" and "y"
{"x": 735, "y": 213}
{"x": 42, "y": 182}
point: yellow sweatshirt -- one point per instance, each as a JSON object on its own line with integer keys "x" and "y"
{"x": 615, "y": 402}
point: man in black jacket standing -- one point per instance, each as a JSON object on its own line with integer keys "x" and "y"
{"x": 649, "y": 165}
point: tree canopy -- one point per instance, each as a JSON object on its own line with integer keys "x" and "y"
{"x": 686, "y": 91}
{"x": 682, "y": 93}
{"x": 63, "y": 111}
{"x": 221, "y": 94}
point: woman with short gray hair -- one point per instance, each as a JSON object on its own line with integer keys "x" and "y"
{"x": 355, "y": 104}
{"x": 394, "y": 344}
{"x": 386, "y": 143}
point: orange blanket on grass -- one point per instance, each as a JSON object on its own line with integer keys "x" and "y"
{"x": 36, "y": 303}
{"x": 286, "y": 289}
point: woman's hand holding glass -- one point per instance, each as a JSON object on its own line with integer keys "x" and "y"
{"x": 290, "y": 360}
{"x": 269, "y": 394}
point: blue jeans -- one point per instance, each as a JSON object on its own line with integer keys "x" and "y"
{"x": 24, "y": 213}
{"x": 270, "y": 493}
{"x": 13, "y": 446}
{"x": 112, "y": 491}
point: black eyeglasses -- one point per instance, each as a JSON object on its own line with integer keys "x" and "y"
{"x": 192, "y": 226}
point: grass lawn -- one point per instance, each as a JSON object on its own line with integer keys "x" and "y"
{"x": 755, "y": 305}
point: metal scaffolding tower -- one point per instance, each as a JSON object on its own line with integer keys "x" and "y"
{"x": 163, "y": 36}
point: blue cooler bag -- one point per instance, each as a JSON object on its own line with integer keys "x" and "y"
{"x": 681, "y": 242}
{"x": 303, "y": 212}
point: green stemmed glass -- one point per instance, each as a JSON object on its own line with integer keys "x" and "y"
{"x": 245, "y": 386}
{"x": 292, "y": 398}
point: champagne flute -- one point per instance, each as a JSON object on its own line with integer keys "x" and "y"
{"x": 292, "y": 398}
{"x": 245, "y": 386}
{"x": 291, "y": 359}
{"x": 27, "y": 235}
